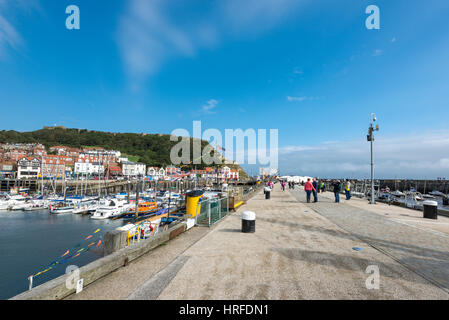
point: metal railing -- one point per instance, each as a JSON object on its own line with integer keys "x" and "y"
{"x": 212, "y": 211}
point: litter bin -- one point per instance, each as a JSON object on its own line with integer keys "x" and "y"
{"x": 267, "y": 192}
{"x": 430, "y": 209}
{"x": 445, "y": 201}
{"x": 193, "y": 203}
{"x": 248, "y": 222}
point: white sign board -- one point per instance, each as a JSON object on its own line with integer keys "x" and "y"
{"x": 79, "y": 285}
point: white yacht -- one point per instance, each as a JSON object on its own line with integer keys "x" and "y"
{"x": 4, "y": 204}
{"x": 86, "y": 206}
{"x": 111, "y": 208}
{"x": 19, "y": 203}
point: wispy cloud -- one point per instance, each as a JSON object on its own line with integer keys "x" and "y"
{"x": 298, "y": 71}
{"x": 10, "y": 37}
{"x": 395, "y": 156}
{"x": 151, "y": 32}
{"x": 300, "y": 99}
{"x": 377, "y": 52}
{"x": 209, "y": 107}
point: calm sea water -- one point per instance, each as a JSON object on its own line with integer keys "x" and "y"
{"x": 30, "y": 241}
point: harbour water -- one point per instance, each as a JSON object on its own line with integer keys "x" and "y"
{"x": 30, "y": 241}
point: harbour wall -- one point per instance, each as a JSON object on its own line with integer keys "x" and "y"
{"x": 57, "y": 289}
{"x": 106, "y": 187}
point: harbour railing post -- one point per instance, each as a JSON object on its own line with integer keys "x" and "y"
{"x": 30, "y": 279}
{"x": 208, "y": 210}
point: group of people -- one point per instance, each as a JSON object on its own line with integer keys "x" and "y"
{"x": 311, "y": 187}
{"x": 291, "y": 185}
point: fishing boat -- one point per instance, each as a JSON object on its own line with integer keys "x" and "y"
{"x": 144, "y": 229}
{"x": 143, "y": 209}
{"x": 111, "y": 208}
{"x": 58, "y": 207}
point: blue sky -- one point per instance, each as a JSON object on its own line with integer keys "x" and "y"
{"x": 308, "y": 68}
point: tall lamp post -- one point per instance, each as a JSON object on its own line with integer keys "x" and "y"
{"x": 370, "y": 138}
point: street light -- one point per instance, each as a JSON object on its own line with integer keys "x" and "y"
{"x": 370, "y": 138}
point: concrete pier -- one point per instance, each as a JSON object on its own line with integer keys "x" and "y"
{"x": 299, "y": 251}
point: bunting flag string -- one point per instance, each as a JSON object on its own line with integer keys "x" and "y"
{"x": 74, "y": 252}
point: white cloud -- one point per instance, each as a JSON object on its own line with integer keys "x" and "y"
{"x": 10, "y": 37}
{"x": 413, "y": 156}
{"x": 152, "y": 32}
{"x": 210, "y": 106}
{"x": 300, "y": 99}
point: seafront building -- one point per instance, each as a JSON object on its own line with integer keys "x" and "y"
{"x": 133, "y": 169}
{"x": 31, "y": 161}
{"x": 28, "y": 168}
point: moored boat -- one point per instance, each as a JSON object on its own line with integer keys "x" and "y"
{"x": 58, "y": 207}
{"x": 110, "y": 209}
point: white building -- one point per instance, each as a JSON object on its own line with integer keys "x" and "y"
{"x": 133, "y": 169}
{"x": 87, "y": 168}
{"x": 97, "y": 168}
{"x": 83, "y": 167}
{"x": 28, "y": 168}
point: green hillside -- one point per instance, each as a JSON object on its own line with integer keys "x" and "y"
{"x": 151, "y": 149}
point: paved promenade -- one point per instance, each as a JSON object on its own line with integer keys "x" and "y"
{"x": 296, "y": 253}
{"x": 420, "y": 244}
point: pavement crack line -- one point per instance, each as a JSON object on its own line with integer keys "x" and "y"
{"x": 153, "y": 287}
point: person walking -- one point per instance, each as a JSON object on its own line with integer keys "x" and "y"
{"x": 308, "y": 187}
{"x": 283, "y": 185}
{"x": 315, "y": 190}
{"x": 337, "y": 189}
{"x": 348, "y": 190}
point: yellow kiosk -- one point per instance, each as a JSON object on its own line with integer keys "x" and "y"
{"x": 193, "y": 203}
